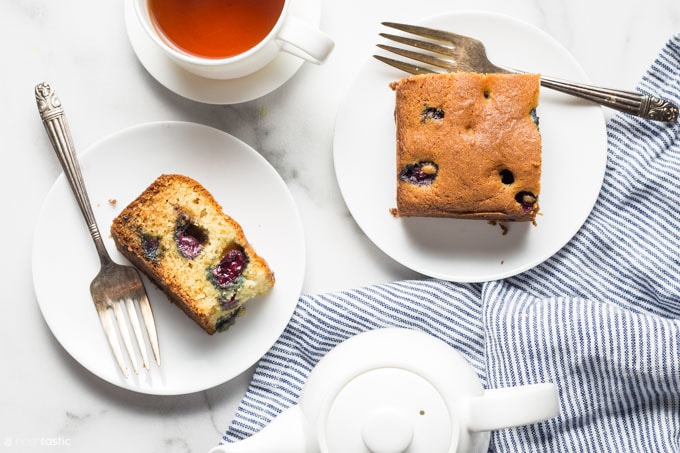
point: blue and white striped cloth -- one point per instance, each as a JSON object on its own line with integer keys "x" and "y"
{"x": 601, "y": 318}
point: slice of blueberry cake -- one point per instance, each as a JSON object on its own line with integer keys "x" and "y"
{"x": 468, "y": 146}
{"x": 177, "y": 234}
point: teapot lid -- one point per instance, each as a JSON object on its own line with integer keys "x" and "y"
{"x": 390, "y": 391}
{"x": 388, "y": 410}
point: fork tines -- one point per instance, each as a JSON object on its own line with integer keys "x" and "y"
{"x": 110, "y": 295}
{"x": 440, "y": 51}
{"x": 434, "y": 49}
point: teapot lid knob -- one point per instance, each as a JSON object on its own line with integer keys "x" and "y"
{"x": 387, "y": 430}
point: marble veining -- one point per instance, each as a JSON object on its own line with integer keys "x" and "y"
{"x": 48, "y": 401}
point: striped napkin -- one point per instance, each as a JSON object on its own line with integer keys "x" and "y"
{"x": 601, "y": 318}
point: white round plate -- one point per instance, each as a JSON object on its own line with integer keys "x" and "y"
{"x": 116, "y": 170}
{"x": 574, "y": 159}
{"x": 212, "y": 91}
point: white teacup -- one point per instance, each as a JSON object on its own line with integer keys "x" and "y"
{"x": 288, "y": 34}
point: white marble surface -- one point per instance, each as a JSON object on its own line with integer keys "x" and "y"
{"x": 48, "y": 402}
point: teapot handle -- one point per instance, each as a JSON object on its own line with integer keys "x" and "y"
{"x": 285, "y": 434}
{"x": 512, "y": 406}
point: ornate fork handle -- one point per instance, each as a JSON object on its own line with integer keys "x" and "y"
{"x": 642, "y": 105}
{"x": 56, "y": 125}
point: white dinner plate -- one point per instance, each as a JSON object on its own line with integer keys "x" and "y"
{"x": 574, "y": 159}
{"x": 213, "y": 91}
{"x": 116, "y": 170}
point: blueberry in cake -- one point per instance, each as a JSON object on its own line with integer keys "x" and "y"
{"x": 177, "y": 234}
{"x": 468, "y": 146}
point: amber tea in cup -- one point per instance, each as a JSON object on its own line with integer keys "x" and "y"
{"x": 227, "y": 39}
{"x": 215, "y": 28}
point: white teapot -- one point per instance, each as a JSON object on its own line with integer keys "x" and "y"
{"x": 397, "y": 391}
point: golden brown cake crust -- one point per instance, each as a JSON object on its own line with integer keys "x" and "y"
{"x": 476, "y": 133}
{"x": 146, "y": 233}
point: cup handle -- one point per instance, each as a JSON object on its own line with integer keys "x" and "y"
{"x": 304, "y": 41}
{"x": 513, "y": 406}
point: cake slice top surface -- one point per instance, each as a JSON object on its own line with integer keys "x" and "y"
{"x": 468, "y": 146}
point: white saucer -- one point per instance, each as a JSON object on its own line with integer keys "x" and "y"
{"x": 574, "y": 159}
{"x": 119, "y": 168}
{"x": 211, "y": 91}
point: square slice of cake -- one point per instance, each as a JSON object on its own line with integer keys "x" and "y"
{"x": 468, "y": 146}
{"x": 177, "y": 234}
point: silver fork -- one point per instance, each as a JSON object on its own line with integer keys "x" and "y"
{"x": 115, "y": 284}
{"x": 451, "y": 52}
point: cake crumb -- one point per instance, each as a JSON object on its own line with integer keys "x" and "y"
{"x": 113, "y": 201}
{"x": 504, "y": 228}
